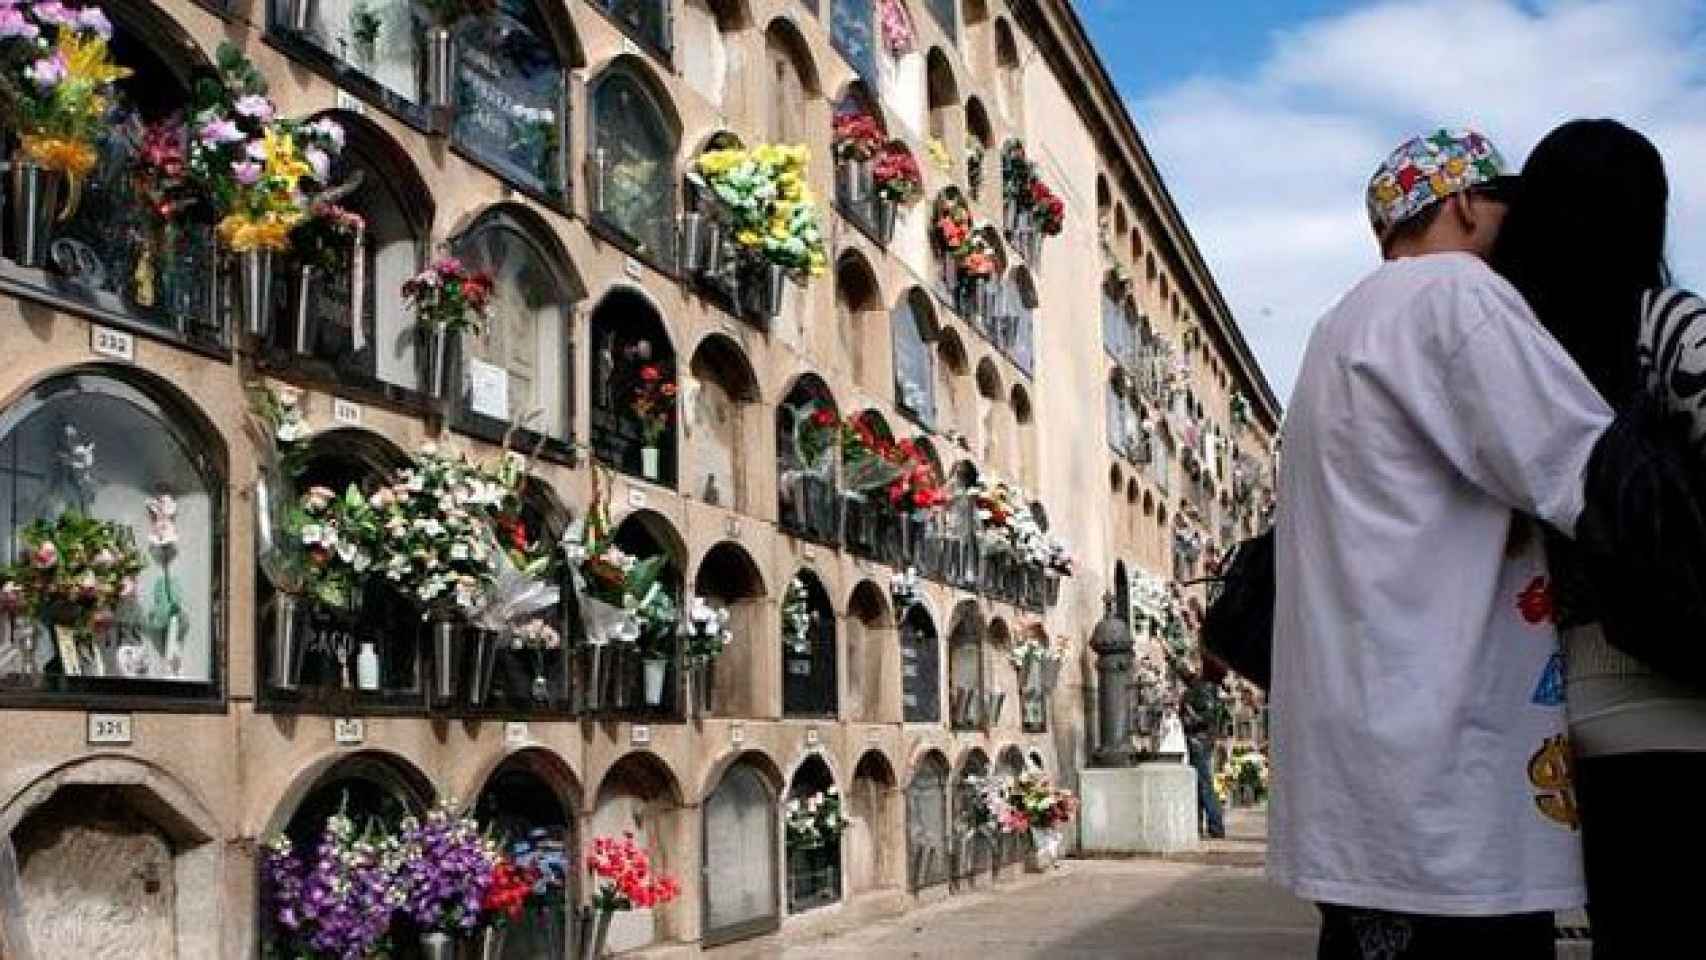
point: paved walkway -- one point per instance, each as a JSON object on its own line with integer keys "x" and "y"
{"x": 1211, "y": 904}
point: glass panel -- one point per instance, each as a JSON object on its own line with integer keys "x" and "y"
{"x": 626, "y": 338}
{"x": 919, "y": 672}
{"x": 852, "y": 30}
{"x": 647, "y": 18}
{"x": 914, "y": 383}
{"x": 101, "y": 449}
{"x": 943, "y": 11}
{"x": 521, "y": 363}
{"x": 380, "y": 38}
{"x": 808, "y": 673}
{"x": 509, "y": 97}
{"x": 927, "y": 826}
{"x": 523, "y": 814}
{"x": 740, "y": 852}
{"x": 633, "y": 155}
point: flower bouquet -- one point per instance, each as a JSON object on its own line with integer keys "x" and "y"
{"x": 340, "y": 904}
{"x": 896, "y": 174}
{"x": 807, "y": 481}
{"x": 797, "y": 619}
{"x": 899, "y": 37}
{"x": 509, "y": 618}
{"x": 74, "y": 573}
{"x": 770, "y": 211}
{"x": 253, "y": 165}
{"x": 968, "y": 258}
{"x": 857, "y": 136}
{"x": 815, "y": 821}
{"x": 56, "y": 89}
{"x": 626, "y": 881}
{"x": 445, "y": 869}
{"x": 705, "y": 634}
{"x": 918, "y": 489}
{"x": 448, "y": 300}
{"x": 653, "y": 405}
{"x": 1046, "y": 808}
{"x": 1031, "y": 204}
{"x": 159, "y": 178}
{"x": 529, "y": 888}
{"x": 327, "y": 242}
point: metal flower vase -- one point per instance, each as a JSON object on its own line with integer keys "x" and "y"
{"x": 852, "y": 178}
{"x": 488, "y": 944}
{"x": 595, "y": 932}
{"x": 886, "y": 211}
{"x": 694, "y": 241}
{"x": 993, "y": 701}
{"x": 441, "y": 352}
{"x": 439, "y": 67}
{"x": 699, "y": 679}
{"x": 656, "y": 671}
{"x": 437, "y": 946}
{"x": 484, "y": 647}
{"x": 296, "y": 15}
{"x": 254, "y": 291}
{"x": 287, "y": 647}
{"x": 302, "y": 332}
{"x": 36, "y": 194}
{"x": 443, "y": 634}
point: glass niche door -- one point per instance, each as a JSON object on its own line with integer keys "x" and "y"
{"x": 740, "y": 858}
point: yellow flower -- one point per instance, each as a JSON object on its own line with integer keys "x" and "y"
{"x": 747, "y": 238}
{"x": 86, "y": 60}
{"x": 283, "y": 161}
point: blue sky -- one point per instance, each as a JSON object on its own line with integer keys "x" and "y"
{"x": 1267, "y": 116}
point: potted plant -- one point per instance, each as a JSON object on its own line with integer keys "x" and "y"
{"x": 626, "y": 881}
{"x": 252, "y": 165}
{"x": 1046, "y": 808}
{"x": 899, "y": 183}
{"x": 56, "y": 87}
{"x": 653, "y": 405}
{"x": 325, "y": 243}
{"x": 449, "y": 300}
{"x": 968, "y": 260}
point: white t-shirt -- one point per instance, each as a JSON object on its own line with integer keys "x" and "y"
{"x": 1419, "y": 762}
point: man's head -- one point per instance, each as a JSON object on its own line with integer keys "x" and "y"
{"x": 1443, "y": 192}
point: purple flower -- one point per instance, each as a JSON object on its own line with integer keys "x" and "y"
{"x": 247, "y": 172}
{"x": 55, "y": 13}
{"x": 220, "y": 131}
{"x": 255, "y": 107}
{"x": 321, "y": 163}
{"x": 257, "y": 150}
{"x": 94, "y": 21}
{"x": 14, "y": 25}
{"x": 46, "y": 73}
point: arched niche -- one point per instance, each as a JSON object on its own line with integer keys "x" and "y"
{"x": 1116, "y": 478}
{"x": 111, "y": 853}
{"x": 328, "y": 640}
{"x": 1034, "y": 690}
{"x": 718, "y": 414}
{"x": 875, "y": 819}
{"x": 974, "y": 847}
{"x": 529, "y": 806}
{"x": 1013, "y": 323}
{"x": 1104, "y": 201}
{"x": 110, "y": 259}
{"x": 523, "y": 364}
{"x": 966, "y": 681}
{"x": 953, "y": 406}
{"x": 355, "y": 328}
{"x": 808, "y": 440}
{"x": 942, "y": 92}
{"x": 510, "y": 94}
{"x": 873, "y": 660}
{"x": 370, "y": 787}
{"x": 929, "y": 849}
{"x": 982, "y": 164}
{"x": 1024, "y": 419}
{"x": 115, "y": 444}
{"x": 630, "y": 355}
{"x": 810, "y": 663}
{"x": 790, "y": 86}
{"x": 859, "y": 320}
{"x": 814, "y": 864}
{"x": 740, "y": 887}
{"x": 631, "y": 146}
{"x": 947, "y": 17}
{"x": 915, "y": 327}
{"x": 641, "y": 795}
{"x": 729, "y": 578}
{"x": 1009, "y": 86}
{"x": 853, "y": 33}
{"x": 716, "y": 64}
{"x": 991, "y": 426}
{"x": 871, "y": 527}
{"x": 920, "y": 667}
{"x": 1002, "y": 684}
{"x": 1120, "y": 221}
{"x": 379, "y": 50}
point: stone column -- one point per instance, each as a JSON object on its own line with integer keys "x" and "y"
{"x": 1113, "y": 646}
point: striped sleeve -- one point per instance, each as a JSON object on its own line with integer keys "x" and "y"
{"x": 1673, "y": 354}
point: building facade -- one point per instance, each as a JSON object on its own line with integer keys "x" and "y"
{"x": 145, "y": 768}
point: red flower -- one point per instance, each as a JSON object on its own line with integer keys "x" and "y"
{"x": 1535, "y": 602}
{"x": 823, "y": 418}
{"x": 650, "y": 372}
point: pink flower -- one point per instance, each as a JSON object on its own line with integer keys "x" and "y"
{"x": 127, "y": 587}
{"x": 96, "y": 22}
{"x": 257, "y": 150}
{"x": 55, "y": 13}
{"x": 89, "y": 587}
{"x": 13, "y": 24}
{"x": 46, "y": 555}
{"x": 255, "y": 107}
{"x": 104, "y": 560}
{"x": 247, "y": 172}
{"x": 219, "y": 131}
{"x": 46, "y": 73}
{"x": 321, "y": 163}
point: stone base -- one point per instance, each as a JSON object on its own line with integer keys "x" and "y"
{"x": 1149, "y": 808}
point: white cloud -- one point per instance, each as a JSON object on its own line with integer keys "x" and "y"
{"x": 1269, "y": 167}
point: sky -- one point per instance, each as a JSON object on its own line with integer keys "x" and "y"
{"x": 1267, "y": 117}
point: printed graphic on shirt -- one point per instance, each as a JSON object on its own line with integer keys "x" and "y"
{"x": 1550, "y": 772}
{"x": 1549, "y": 692}
{"x": 1535, "y": 602}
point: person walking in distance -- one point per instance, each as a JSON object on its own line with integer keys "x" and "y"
{"x": 1202, "y": 711}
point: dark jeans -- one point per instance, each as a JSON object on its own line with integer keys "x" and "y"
{"x": 1355, "y": 933}
{"x": 1632, "y": 838}
{"x": 1208, "y": 805}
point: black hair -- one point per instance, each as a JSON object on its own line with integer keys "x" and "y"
{"x": 1413, "y": 226}
{"x": 1585, "y": 239}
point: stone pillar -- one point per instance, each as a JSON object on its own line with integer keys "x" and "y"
{"x": 1113, "y": 646}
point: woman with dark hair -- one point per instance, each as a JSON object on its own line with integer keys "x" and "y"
{"x": 1585, "y": 244}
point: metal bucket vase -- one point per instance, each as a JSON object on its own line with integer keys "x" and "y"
{"x": 440, "y": 355}
{"x": 296, "y": 15}
{"x": 36, "y": 196}
{"x": 595, "y": 931}
{"x": 484, "y": 646}
{"x": 443, "y": 633}
{"x": 693, "y": 241}
{"x": 654, "y": 671}
{"x": 254, "y": 291}
{"x": 602, "y": 623}
{"x": 437, "y": 946}
{"x": 886, "y": 211}
{"x": 597, "y": 657}
{"x": 302, "y": 333}
{"x": 287, "y": 645}
{"x": 851, "y": 180}
{"x": 439, "y": 65}
{"x": 699, "y": 679}
{"x": 993, "y": 702}
{"x": 488, "y": 944}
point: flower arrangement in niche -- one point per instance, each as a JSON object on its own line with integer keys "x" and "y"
{"x": 705, "y": 631}
{"x": 540, "y": 858}
{"x": 626, "y": 879}
{"x": 436, "y": 542}
{"x": 866, "y": 458}
{"x": 974, "y": 168}
{"x": 72, "y": 571}
{"x": 814, "y": 821}
{"x": 338, "y": 904}
{"x": 630, "y": 588}
{"x": 1025, "y": 191}
{"x": 957, "y": 236}
{"x": 1038, "y": 649}
{"x": 1240, "y": 408}
{"x": 939, "y": 155}
{"x": 989, "y": 811}
{"x": 336, "y": 532}
{"x": 56, "y": 86}
{"x": 895, "y": 24}
{"x": 1007, "y": 525}
{"x": 653, "y": 403}
{"x": 919, "y": 488}
{"x": 445, "y": 867}
{"x": 326, "y": 237}
{"x": 896, "y": 175}
{"x": 856, "y": 135}
{"x": 772, "y": 213}
{"x": 904, "y": 588}
{"x": 1043, "y": 805}
{"x": 160, "y": 169}
{"x": 797, "y": 618}
{"x": 250, "y": 163}
{"x": 447, "y": 295}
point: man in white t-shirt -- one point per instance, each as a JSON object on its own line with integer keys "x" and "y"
{"x": 1421, "y": 777}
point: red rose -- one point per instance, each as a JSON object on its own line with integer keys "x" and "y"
{"x": 650, "y": 372}
{"x": 823, "y": 418}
